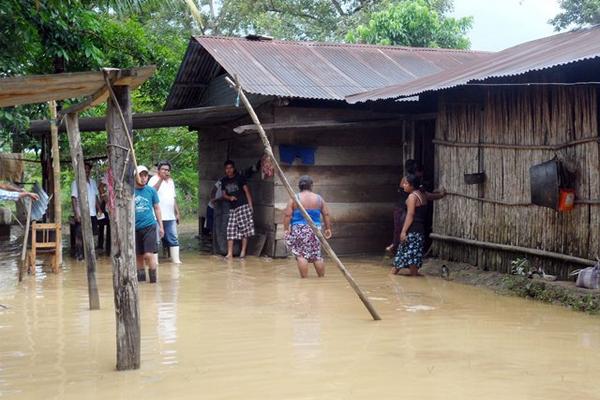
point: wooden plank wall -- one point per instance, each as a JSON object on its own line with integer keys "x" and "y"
{"x": 219, "y": 143}
{"x": 517, "y": 116}
{"x": 357, "y": 173}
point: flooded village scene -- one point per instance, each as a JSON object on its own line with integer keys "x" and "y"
{"x": 300, "y": 199}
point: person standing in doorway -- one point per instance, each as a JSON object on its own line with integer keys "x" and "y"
{"x": 146, "y": 225}
{"x": 241, "y": 224}
{"x": 104, "y": 223}
{"x": 94, "y": 206}
{"x": 412, "y": 237}
{"x": 165, "y": 186}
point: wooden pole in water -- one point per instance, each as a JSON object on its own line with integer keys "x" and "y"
{"x": 288, "y": 187}
{"x": 56, "y": 172}
{"x": 121, "y": 162}
{"x": 89, "y": 251}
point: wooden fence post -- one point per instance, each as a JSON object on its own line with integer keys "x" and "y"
{"x": 122, "y": 226}
{"x": 56, "y": 171}
{"x": 72, "y": 121}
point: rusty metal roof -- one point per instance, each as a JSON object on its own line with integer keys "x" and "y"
{"x": 305, "y": 69}
{"x": 548, "y": 52}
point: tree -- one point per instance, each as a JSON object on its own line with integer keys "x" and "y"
{"x": 413, "y": 23}
{"x": 577, "y": 13}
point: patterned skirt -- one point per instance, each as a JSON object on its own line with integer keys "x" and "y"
{"x": 303, "y": 242}
{"x": 240, "y": 224}
{"x": 410, "y": 251}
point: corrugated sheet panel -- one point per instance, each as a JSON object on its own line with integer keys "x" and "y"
{"x": 305, "y": 69}
{"x": 548, "y": 52}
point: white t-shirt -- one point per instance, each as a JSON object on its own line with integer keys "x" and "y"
{"x": 166, "y": 195}
{"x": 92, "y": 190}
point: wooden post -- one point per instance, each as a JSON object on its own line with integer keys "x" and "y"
{"x": 56, "y": 170}
{"x": 288, "y": 187}
{"x": 89, "y": 251}
{"x": 122, "y": 226}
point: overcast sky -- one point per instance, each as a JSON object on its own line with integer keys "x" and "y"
{"x": 500, "y": 24}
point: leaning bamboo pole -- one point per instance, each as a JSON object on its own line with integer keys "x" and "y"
{"x": 288, "y": 187}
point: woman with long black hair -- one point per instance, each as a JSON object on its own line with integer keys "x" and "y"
{"x": 412, "y": 237}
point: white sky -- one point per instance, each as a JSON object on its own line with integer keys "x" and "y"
{"x": 499, "y": 24}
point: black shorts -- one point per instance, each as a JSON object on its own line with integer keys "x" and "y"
{"x": 145, "y": 240}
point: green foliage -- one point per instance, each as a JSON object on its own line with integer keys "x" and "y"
{"x": 48, "y": 36}
{"x": 577, "y": 13}
{"x": 413, "y": 23}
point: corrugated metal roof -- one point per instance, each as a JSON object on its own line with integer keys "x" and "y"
{"x": 305, "y": 69}
{"x": 548, "y": 52}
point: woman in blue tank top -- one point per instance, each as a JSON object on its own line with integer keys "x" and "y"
{"x": 299, "y": 237}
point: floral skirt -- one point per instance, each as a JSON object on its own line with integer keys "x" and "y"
{"x": 410, "y": 251}
{"x": 303, "y": 242}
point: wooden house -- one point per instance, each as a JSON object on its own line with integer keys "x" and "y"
{"x": 299, "y": 91}
{"x": 517, "y": 109}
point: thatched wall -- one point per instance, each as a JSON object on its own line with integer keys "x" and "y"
{"x": 504, "y": 131}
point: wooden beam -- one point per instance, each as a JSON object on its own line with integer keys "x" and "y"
{"x": 122, "y": 225}
{"x": 202, "y": 116}
{"x": 30, "y": 89}
{"x": 56, "y": 199}
{"x": 89, "y": 249}
{"x": 513, "y": 249}
{"x": 318, "y": 125}
{"x": 116, "y": 77}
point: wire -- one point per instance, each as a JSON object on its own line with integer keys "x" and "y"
{"x": 535, "y": 84}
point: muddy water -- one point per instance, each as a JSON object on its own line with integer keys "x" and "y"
{"x": 253, "y": 330}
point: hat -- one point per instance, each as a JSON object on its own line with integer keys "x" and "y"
{"x": 140, "y": 169}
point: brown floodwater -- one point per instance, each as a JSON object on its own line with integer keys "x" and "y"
{"x": 213, "y": 329}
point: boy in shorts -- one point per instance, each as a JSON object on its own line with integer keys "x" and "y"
{"x": 147, "y": 221}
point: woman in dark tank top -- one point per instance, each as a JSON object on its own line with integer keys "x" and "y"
{"x": 412, "y": 237}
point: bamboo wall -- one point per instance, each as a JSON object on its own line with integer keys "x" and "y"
{"x": 520, "y": 118}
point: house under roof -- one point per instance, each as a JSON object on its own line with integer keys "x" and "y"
{"x": 552, "y": 51}
{"x": 307, "y": 70}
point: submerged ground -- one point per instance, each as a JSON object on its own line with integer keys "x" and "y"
{"x": 229, "y": 330}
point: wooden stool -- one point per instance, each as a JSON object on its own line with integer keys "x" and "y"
{"x": 43, "y": 243}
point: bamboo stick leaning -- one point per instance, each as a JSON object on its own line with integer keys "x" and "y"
{"x": 288, "y": 187}
{"x": 25, "y": 239}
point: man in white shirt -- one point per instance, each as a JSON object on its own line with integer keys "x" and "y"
{"x": 164, "y": 185}
{"x": 94, "y": 205}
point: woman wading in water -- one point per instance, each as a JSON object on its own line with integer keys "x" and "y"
{"x": 300, "y": 238}
{"x": 412, "y": 237}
